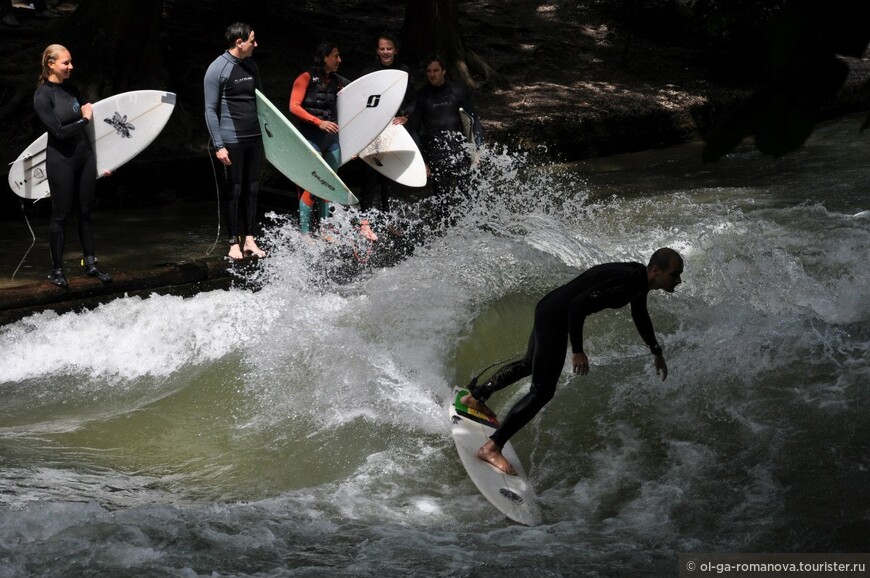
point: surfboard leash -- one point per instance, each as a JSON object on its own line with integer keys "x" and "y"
{"x": 32, "y": 242}
{"x": 363, "y": 259}
{"x": 474, "y": 379}
{"x": 218, "y": 194}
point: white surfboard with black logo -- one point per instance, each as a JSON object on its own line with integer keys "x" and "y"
{"x": 512, "y": 495}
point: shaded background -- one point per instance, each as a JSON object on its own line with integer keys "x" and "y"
{"x": 559, "y": 80}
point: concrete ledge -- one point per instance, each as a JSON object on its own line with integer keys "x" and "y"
{"x": 184, "y": 279}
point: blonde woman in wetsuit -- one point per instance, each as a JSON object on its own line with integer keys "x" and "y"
{"x": 71, "y": 165}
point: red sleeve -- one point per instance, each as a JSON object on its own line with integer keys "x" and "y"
{"x": 300, "y": 87}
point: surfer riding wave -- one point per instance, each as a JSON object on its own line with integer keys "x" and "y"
{"x": 560, "y": 315}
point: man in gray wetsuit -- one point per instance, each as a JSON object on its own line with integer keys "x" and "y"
{"x": 560, "y": 316}
{"x": 231, "y": 118}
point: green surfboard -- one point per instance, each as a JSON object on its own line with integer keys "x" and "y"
{"x": 296, "y": 159}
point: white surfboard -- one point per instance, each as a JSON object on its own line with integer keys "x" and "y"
{"x": 512, "y": 495}
{"x": 467, "y": 125}
{"x": 123, "y": 126}
{"x": 395, "y": 155}
{"x": 293, "y": 155}
{"x": 366, "y": 106}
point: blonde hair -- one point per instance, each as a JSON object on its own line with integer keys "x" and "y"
{"x": 51, "y": 53}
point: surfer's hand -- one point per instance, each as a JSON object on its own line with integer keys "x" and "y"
{"x": 223, "y": 155}
{"x": 580, "y": 363}
{"x": 661, "y": 367}
{"x": 400, "y": 120}
{"x": 88, "y": 111}
{"x": 329, "y": 127}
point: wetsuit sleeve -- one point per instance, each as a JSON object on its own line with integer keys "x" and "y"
{"x": 640, "y": 316}
{"x": 407, "y": 108}
{"x": 297, "y": 95}
{"x": 45, "y": 110}
{"x": 614, "y": 292}
{"x": 415, "y": 120}
{"x": 580, "y": 308}
{"x": 212, "y": 92}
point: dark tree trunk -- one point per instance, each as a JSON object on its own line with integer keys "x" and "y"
{"x": 432, "y": 28}
{"x": 122, "y": 49}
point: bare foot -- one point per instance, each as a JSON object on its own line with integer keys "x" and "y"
{"x": 491, "y": 453}
{"x": 326, "y": 233}
{"x": 252, "y": 248}
{"x": 235, "y": 253}
{"x": 469, "y": 401}
{"x": 366, "y": 230}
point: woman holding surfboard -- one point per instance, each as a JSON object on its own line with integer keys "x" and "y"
{"x": 70, "y": 161}
{"x": 313, "y": 102}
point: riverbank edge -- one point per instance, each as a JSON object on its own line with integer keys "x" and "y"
{"x": 181, "y": 279}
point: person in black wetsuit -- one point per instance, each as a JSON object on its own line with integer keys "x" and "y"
{"x": 231, "y": 118}
{"x": 386, "y": 51}
{"x": 436, "y": 126}
{"x": 560, "y": 315}
{"x": 70, "y": 163}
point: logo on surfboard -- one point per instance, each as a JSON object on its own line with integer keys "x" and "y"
{"x": 373, "y": 101}
{"x": 322, "y": 181}
{"x": 120, "y": 124}
{"x": 511, "y": 495}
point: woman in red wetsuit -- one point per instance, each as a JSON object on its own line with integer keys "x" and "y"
{"x": 313, "y": 103}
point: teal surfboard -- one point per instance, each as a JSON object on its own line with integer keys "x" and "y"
{"x": 295, "y": 158}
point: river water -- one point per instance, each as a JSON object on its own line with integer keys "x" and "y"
{"x": 300, "y": 430}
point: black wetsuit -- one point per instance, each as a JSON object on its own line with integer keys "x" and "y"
{"x": 231, "y": 118}
{"x": 372, "y": 179}
{"x": 558, "y": 316}
{"x": 436, "y": 126}
{"x": 70, "y": 164}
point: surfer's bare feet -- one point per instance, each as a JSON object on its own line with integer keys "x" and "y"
{"x": 252, "y": 248}
{"x": 491, "y": 453}
{"x": 366, "y": 230}
{"x": 469, "y": 401}
{"x": 235, "y": 252}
